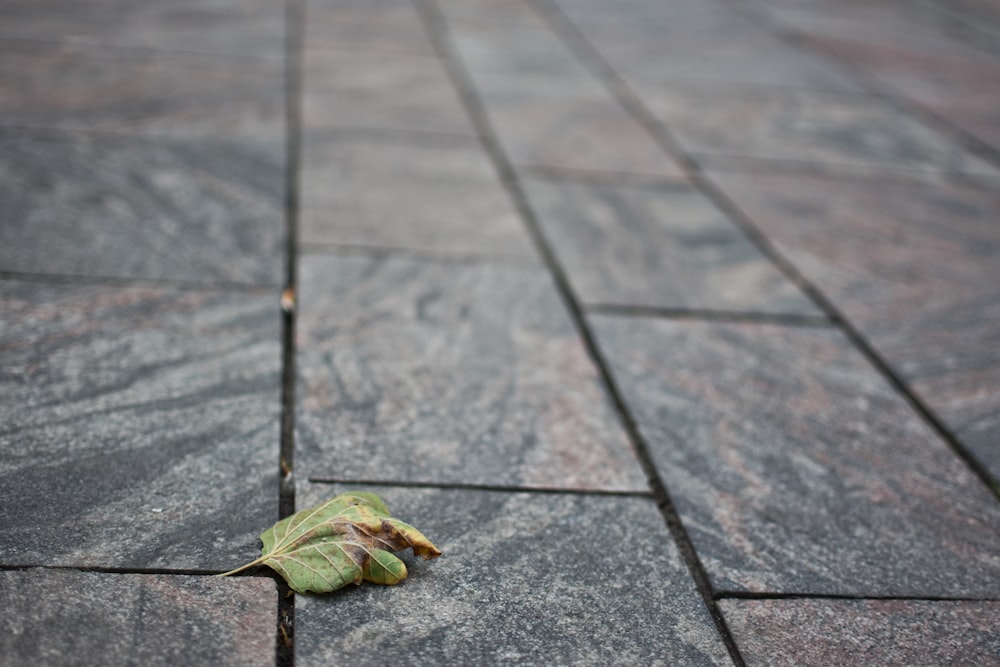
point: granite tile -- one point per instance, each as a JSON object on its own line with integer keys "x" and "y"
{"x": 915, "y": 269}
{"x": 53, "y": 617}
{"x": 521, "y": 581}
{"x": 513, "y": 49}
{"x": 796, "y": 467}
{"x": 72, "y": 86}
{"x": 666, "y": 247}
{"x": 228, "y": 27}
{"x": 449, "y": 372}
{"x": 429, "y": 197}
{"x": 386, "y": 26}
{"x": 856, "y": 133}
{"x": 200, "y": 210}
{"x": 140, "y": 425}
{"x": 489, "y": 11}
{"x": 374, "y": 90}
{"x": 570, "y": 123}
{"x": 869, "y": 632}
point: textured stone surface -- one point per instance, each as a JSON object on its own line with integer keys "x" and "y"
{"x": 449, "y": 372}
{"x": 539, "y": 579}
{"x": 360, "y": 192}
{"x": 72, "y": 86}
{"x": 869, "y": 632}
{"x": 667, "y": 247}
{"x": 194, "y": 210}
{"x": 796, "y": 468}
{"x": 52, "y": 617}
{"x": 489, "y": 10}
{"x": 380, "y": 91}
{"x": 518, "y": 48}
{"x": 234, "y": 27}
{"x": 568, "y": 122}
{"x": 387, "y": 26}
{"x": 846, "y": 132}
{"x": 915, "y": 269}
{"x": 139, "y": 425}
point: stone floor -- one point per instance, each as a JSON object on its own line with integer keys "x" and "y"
{"x": 674, "y": 323}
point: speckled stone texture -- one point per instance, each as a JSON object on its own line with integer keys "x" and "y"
{"x": 666, "y": 246}
{"x": 253, "y": 28}
{"x": 568, "y": 122}
{"x": 861, "y": 134}
{"x": 915, "y": 269}
{"x": 449, "y": 372}
{"x": 865, "y": 632}
{"x": 200, "y": 210}
{"x": 52, "y": 618}
{"x": 73, "y": 86}
{"x": 797, "y": 468}
{"x": 363, "y": 192}
{"x": 523, "y": 579}
{"x": 372, "y": 90}
{"x": 139, "y": 425}
{"x": 385, "y": 26}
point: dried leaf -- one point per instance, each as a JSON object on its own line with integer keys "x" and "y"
{"x": 345, "y": 540}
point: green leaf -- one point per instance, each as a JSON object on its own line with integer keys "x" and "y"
{"x": 345, "y": 540}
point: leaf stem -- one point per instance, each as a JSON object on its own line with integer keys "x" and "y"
{"x": 259, "y": 561}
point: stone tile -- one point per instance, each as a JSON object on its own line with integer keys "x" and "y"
{"x": 387, "y": 26}
{"x": 375, "y": 90}
{"x": 665, "y": 247}
{"x": 429, "y": 197}
{"x": 230, "y": 27}
{"x": 914, "y": 269}
{"x": 200, "y": 210}
{"x": 513, "y": 49}
{"x": 72, "y": 86}
{"x": 53, "y": 617}
{"x": 140, "y": 425}
{"x": 569, "y": 123}
{"x": 489, "y": 11}
{"x": 521, "y": 580}
{"x": 449, "y": 372}
{"x": 871, "y": 632}
{"x": 854, "y": 133}
{"x": 797, "y": 468}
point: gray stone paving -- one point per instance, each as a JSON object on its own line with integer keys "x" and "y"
{"x": 673, "y": 323}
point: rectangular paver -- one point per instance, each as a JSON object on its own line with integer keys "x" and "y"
{"x": 449, "y": 372}
{"x": 916, "y": 269}
{"x": 388, "y": 26}
{"x": 667, "y": 247}
{"x": 797, "y": 468}
{"x": 523, "y": 579}
{"x": 74, "y": 86}
{"x": 139, "y": 425}
{"x": 362, "y": 192}
{"x": 373, "y": 90}
{"x": 201, "y": 210}
{"x": 52, "y": 617}
{"x": 865, "y": 632}
{"x": 856, "y": 133}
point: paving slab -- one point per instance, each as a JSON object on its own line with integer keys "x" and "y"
{"x": 522, "y": 580}
{"x": 796, "y": 467}
{"x": 850, "y": 133}
{"x": 82, "y": 87}
{"x": 201, "y": 210}
{"x": 387, "y": 26}
{"x": 569, "y": 122}
{"x": 506, "y": 11}
{"x": 914, "y": 269}
{"x": 140, "y": 425}
{"x": 519, "y": 48}
{"x": 53, "y": 617}
{"x": 869, "y": 632}
{"x": 248, "y": 28}
{"x": 666, "y": 247}
{"x": 449, "y": 372}
{"x": 357, "y": 89}
{"x": 418, "y": 195}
